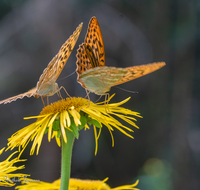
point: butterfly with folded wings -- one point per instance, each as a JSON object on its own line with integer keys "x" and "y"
{"x": 47, "y": 86}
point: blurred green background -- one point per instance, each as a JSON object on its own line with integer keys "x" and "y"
{"x": 165, "y": 152}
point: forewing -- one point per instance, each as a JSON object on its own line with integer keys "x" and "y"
{"x": 56, "y": 65}
{"x": 30, "y": 93}
{"x": 49, "y": 72}
{"x": 66, "y": 49}
{"x": 83, "y": 63}
{"x": 94, "y": 45}
{"x": 139, "y": 71}
{"x": 90, "y": 54}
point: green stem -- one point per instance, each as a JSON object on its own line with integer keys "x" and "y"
{"x": 66, "y": 160}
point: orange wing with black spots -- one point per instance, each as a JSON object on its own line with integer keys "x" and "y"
{"x": 91, "y": 53}
{"x": 94, "y": 45}
{"x": 57, "y": 64}
{"x": 92, "y": 73}
{"x": 139, "y": 71}
{"x": 47, "y": 86}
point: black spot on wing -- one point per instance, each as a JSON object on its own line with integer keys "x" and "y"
{"x": 100, "y": 55}
{"x": 100, "y": 44}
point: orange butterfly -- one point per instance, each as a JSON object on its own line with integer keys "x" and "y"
{"x": 92, "y": 73}
{"x": 47, "y": 86}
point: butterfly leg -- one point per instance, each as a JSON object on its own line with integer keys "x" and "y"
{"x": 98, "y": 99}
{"x": 88, "y": 92}
{"x": 59, "y": 94}
{"x": 47, "y": 100}
{"x": 107, "y": 96}
{"x": 42, "y": 101}
{"x": 64, "y": 90}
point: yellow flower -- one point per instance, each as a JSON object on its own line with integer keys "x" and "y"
{"x": 74, "y": 184}
{"x": 73, "y": 114}
{"x": 6, "y": 167}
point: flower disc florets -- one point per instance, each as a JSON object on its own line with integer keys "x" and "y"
{"x": 65, "y": 105}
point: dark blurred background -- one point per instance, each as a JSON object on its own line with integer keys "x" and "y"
{"x": 165, "y": 152}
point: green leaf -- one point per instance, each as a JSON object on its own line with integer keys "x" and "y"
{"x": 58, "y": 134}
{"x": 46, "y": 130}
{"x": 74, "y": 129}
{"x": 56, "y": 125}
{"x": 83, "y": 121}
{"x": 95, "y": 123}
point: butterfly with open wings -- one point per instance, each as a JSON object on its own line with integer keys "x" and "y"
{"x": 92, "y": 73}
{"x": 47, "y": 86}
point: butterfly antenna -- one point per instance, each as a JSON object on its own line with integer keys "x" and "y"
{"x": 67, "y": 76}
{"x": 133, "y": 92}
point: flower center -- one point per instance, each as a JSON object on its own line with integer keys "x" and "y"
{"x": 65, "y": 105}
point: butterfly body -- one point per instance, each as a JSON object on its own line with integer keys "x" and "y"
{"x": 47, "y": 86}
{"x": 92, "y": 73}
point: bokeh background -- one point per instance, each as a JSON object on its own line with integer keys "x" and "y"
{"x": 165, "y": 151}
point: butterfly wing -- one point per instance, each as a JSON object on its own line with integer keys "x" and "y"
{"x": 100, "y": 79}
{"x": 90, "y": 54}
{"x": 30, "y": 93}
{"x": 139, "y": 71}
{"x": 46, "y": 85}
{"x": 91, "y": 71}
{"x": 94, "y": 45}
